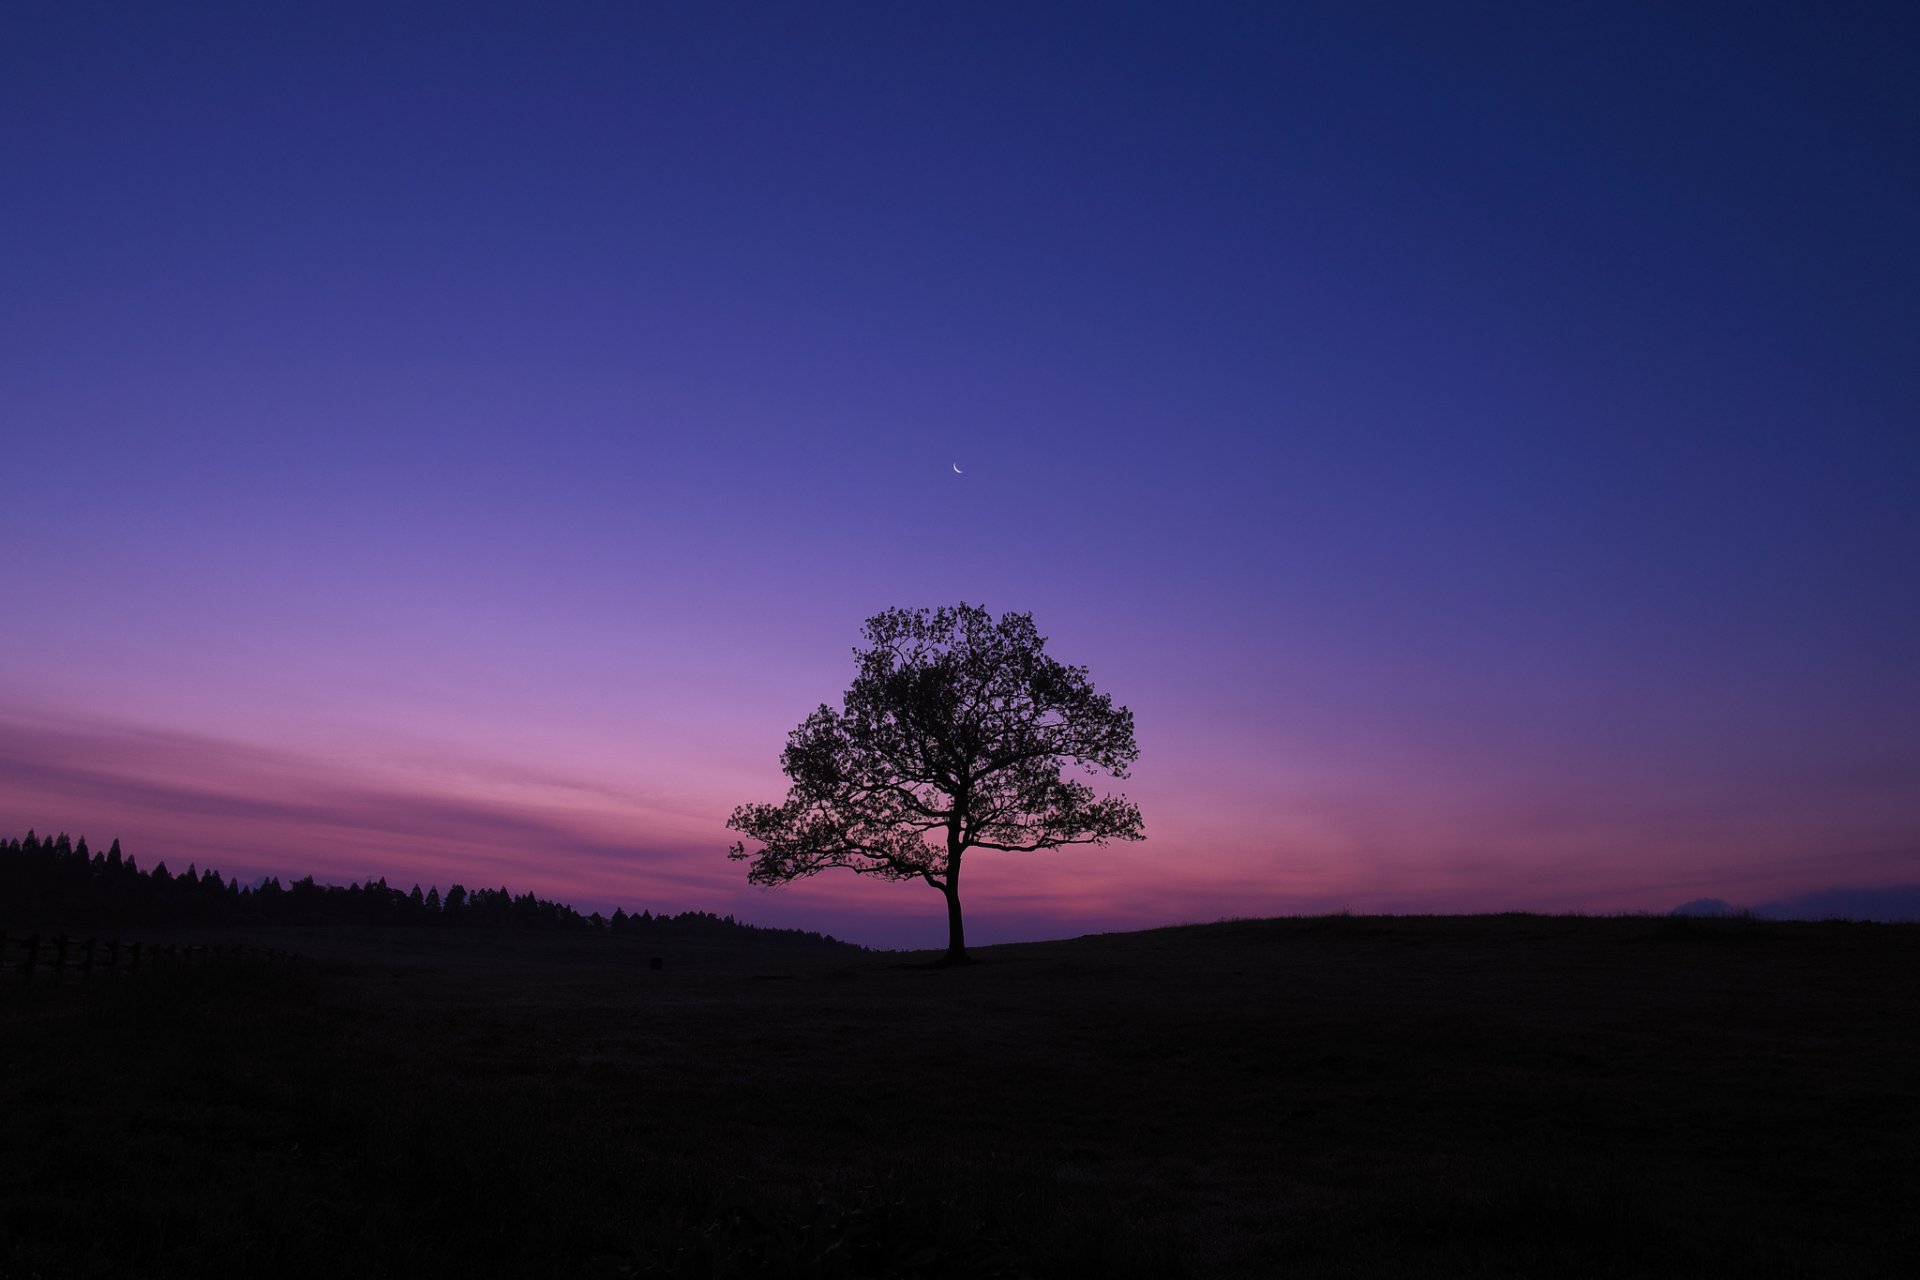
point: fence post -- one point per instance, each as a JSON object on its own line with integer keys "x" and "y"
{"x": 133, "y": 965}
{"x": 86, "y": 958}
{"x": 113, "y": 955}
{"x": 60, "y": 958}
{"x": 33, "y": 954}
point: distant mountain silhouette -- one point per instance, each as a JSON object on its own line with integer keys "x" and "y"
{"x": 1891, "y": 904}
{"x": 58, "y": 881}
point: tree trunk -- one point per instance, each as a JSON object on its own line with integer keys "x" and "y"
{"x": 956, "y": 931}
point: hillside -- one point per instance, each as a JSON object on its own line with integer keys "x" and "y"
{"x": 1507, "y": 1095}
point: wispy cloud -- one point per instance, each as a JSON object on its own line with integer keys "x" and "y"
{"x": 417, "y": 810}
{"x": 271, "y": 810}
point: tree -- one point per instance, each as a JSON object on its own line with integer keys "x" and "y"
{"x": 954, "y": 735}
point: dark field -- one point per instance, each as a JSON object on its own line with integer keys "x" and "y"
{"x": 1314, "y": 1097}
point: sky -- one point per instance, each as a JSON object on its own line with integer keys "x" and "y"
{"x": 1481, "y": 444}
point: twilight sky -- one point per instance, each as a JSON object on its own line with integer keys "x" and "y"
{"x": 1481, "y": 445}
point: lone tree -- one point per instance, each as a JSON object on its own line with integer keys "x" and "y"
{"x": 954, "y": 735}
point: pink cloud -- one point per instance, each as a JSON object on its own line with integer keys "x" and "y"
{"x": 1250, "y": 837}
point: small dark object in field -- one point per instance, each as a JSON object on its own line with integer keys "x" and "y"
{"x": 656, "y": 963}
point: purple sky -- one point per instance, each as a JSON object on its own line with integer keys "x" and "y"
{"x": 1483, "y": 450}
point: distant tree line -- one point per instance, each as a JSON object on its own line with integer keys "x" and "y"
{"x": 60, "y": 881}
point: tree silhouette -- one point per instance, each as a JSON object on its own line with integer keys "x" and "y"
{"x": 954, "y": 735}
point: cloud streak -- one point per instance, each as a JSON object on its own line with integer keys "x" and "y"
{"x": 273, "y": 811}
{"x": 438, "y": 814}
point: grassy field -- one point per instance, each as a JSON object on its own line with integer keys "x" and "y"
{"x": 1307, "y": 1097}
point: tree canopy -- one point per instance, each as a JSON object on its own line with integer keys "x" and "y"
{"x": 958, "y": 732}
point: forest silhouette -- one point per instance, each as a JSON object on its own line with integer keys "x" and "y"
{"x": 59, "y": 881}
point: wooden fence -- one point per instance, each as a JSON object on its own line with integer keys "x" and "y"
{"x": 63, "y": 957}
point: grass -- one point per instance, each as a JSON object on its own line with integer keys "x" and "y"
{"x": 1339, "y": 1096}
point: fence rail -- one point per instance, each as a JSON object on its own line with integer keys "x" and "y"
{"x": 61, "y": 957}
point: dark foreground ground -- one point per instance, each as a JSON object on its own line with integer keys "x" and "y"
{"x": 1321, "y": 1097}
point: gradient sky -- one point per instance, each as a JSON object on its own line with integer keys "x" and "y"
{"x": 1480, "y": 443}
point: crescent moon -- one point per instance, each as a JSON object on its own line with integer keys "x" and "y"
{"x": 957, "y": 471}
